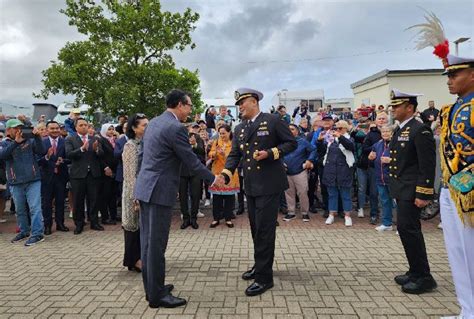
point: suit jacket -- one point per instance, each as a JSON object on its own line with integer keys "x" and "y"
{"x": 267, "y": 133}
{"x": 118, "y": 150}
{"x": 108, "y": 159}
{"x": 82, "y": 162}
{"x": 413, "y": 162}
{"x": 47, "y": 167}
{"x": 164, "y": 147}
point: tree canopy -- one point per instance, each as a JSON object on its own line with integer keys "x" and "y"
{"x": 124, "y": 64}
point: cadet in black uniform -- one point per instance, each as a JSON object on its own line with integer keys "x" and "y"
{"x": 412, "y": 170}
{"x": 260, "y": 141}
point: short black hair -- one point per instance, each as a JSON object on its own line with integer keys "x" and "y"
{"x": 132, "y": 122}
{"x": 174, "y": 97}
{"x": 295, "y": 126}
{"x": 280, "y": 107}
{"x": 52, "y": 122}
{"x": 80, "y": 119}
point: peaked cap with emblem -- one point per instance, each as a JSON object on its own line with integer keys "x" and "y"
{"x": 398, "y": 97}
{"x": 244, "y": 93}
{"x": 456, "y": 63}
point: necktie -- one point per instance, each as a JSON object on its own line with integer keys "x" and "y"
{"x": 55, "y": 145}
{"x": 84, "y": 139}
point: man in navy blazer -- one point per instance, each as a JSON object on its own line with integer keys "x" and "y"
{"x": 54, "y": 177}
{"x": 164, "y": 147}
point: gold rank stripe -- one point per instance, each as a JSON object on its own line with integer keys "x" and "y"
{"x": 276, "y": 153}
{"x": 424, "y": 190}
{"x": 398, "y": 101}
{"x": 456, "y": 67}
{"x": 227, "y": 172}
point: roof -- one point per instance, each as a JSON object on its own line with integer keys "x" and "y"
{"x": 387, "y": 72}
{"x": 45, "y": 104}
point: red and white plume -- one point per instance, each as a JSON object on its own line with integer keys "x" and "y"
{"x": 431, "y": 33}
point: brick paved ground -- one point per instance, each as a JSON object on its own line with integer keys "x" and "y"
{"x": 321, "y": 271}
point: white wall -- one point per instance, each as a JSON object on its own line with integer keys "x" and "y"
{"x": 376, "y": 92}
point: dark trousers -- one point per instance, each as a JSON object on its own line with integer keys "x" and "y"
{"x": 409, "y": 228}
{"x": 53, "y": 189}
{"x": 155, "y": 222}
{"x": 241, "y": 195}
{"x": 108, "y": 198}
{"x": 263, "y": 213}
{"x": 132, "y": 248}
{"x": 223, "y": 205}
{"x": 312, "y": 186}
{"x": 324, "y": 190}
{"x": 189, "y": 185}
{"x": 82, "y": 188}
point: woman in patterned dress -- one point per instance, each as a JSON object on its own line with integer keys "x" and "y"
{"x": 130, "y": 208}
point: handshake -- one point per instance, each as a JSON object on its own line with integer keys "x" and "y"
{"x": 219, "y": 181}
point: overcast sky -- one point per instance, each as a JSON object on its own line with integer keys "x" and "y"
{"x": 263, "y": 44}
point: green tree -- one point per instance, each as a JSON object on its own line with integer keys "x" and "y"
{"x": 124, "y": 64}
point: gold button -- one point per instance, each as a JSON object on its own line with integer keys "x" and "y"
{"x": 247, "y": 144}
{"x": 248, "y": 159}
{"x": 391, "y": 175}
{"x": 393, "y": 159}
{"x": 248, "y": 152}
{"x": 248, "y": 168}
{"x": 256, "y": 143}
{"x": 395, "y": 167}
{"x": 258, "y": 167}
{"x": 394, "y": 175}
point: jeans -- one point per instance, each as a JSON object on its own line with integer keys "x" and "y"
{"x": 366, "y": 178}
{"x": 333, "y": 202}
{"x": 28, "y": 193}
{"x": 387, "y": 204}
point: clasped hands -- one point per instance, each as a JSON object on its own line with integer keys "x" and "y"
{"x": 219, "y": 181}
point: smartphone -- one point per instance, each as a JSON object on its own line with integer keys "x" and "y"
{"x": 27, "y": 133}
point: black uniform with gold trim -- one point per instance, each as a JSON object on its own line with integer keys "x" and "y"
{"x": 264, "y": 181}
{"x": 411, "y": 176}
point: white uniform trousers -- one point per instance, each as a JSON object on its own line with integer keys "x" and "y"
{"x": 459, "y": 240}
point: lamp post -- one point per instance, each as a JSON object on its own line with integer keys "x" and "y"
{"x": 456, "y": 43}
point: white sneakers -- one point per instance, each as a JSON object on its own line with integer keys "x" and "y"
{"x": 440, "y": 225}
{"x": 348, "y": 221}
{"x": 207, "y": 203}
{"x": 330, "y": 220}
{"x": 383, "y": 228}
{"x": 360, "y": 213}
{"x": 199, "y": 214}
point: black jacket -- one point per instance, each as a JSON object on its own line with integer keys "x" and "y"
{"x": 269, "y": 133}
{"x": 413, "y": 162}
{"x": 371, "y": 138}
{"x": 82, "y": 162}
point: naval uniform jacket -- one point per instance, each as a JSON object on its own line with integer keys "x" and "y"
{"x": 266, "y": 133}
{"x": 413, "y": 162}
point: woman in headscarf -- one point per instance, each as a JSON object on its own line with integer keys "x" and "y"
{"x": 108, "y": 206}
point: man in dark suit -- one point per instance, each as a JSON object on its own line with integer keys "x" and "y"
{"x": 85, "y": 154}
{"x": 411, "y": 179}
{"x": 164, "y": 147}
{"x": 118, "y": 150}
{"x": 54, "y": 177}
{"x": 260, "y": 141}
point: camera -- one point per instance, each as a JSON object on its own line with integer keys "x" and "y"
{"x": 27, "y": 132}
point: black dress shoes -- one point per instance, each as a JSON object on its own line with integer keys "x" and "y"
{"x": 62, "y": 228}
{"x": 256, "y": 289}
{"x": 78, "y": 230}
{"x": 240, "y": 211}
{"x": 402, "y": 279}
{"x": 194, "y": 224}
{"x": 96, "y": 227}
{"x": 420, "y": 285}
{"x": 168, "y": 301}
{"x": 169, "y": 288}
{"x": 186, "y": 223}
{"x": 249, "y": 274}
{"x": 47, "y": 230}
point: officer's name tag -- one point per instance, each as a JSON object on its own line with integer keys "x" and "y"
{"x": 403, "y": 138}
{"x": 263, "y": 133}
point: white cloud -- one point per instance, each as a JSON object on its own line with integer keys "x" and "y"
{"x": 14, "y": 43}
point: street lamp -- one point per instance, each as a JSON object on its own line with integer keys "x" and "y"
{"x": 456, "y": 42}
